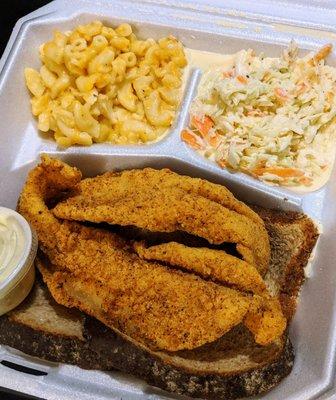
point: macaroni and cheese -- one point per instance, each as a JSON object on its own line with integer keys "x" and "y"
{"x": 99, "y": 84}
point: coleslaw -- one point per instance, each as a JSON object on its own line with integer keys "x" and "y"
{"x": 267, "y": 117}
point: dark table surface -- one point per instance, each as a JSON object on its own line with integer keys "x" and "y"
{"x": 10, "y": 12}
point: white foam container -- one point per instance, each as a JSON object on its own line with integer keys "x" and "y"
{"x": 206, "y": 25}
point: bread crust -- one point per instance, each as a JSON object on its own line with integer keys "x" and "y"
{"x": 293, "y": 276}
{"x": 129, "y": 358}
{"x": 106, "y": 350}
{"x": 49, "y": 346}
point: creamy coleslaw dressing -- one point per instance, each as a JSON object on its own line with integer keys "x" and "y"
{"x": 206, "y": 61}
{"x": 328, "y": 148}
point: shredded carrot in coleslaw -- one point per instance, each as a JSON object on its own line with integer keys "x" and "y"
{"x": 269, "y": 112}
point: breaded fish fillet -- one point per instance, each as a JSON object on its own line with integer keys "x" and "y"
{"x": 98, "y": 272}
{"x": 160, "y": 308}
{"x": 208, "y": 263}
{"x": 264, "y": 318}
{"x": 162, "y": 201}
{"x": 94, "y": 269}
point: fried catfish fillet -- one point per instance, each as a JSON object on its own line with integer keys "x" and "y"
{"x": 264, "y": 318}
{"x": 152, "y": 305}
{"x": 209, "y": 263}
{"x": 95, "y": 271}
{"x": 98, "y": 272}
{"x": 163, "y": 201}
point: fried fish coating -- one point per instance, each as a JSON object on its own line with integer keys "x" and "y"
{"x": 208, "y": 263}
{"x": 165, "y": 178}
{"x": 96, "y": 271}
{"x": 162, "y": 201}
{"x": 161, "y": 309}
{"x": 265, "y": 319}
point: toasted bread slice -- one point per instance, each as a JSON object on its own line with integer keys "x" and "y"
{"x": 40, "y": 327}
{"x": 233, "y": 366}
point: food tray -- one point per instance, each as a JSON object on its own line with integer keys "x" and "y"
{"x": 205, "y": 25}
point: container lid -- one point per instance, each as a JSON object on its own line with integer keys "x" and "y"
{"x": 18, "y": 246}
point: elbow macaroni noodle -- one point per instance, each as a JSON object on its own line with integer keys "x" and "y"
{"x": 99, "y": 84}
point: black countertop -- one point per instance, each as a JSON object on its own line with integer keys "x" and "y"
{"x": 10, "y": 12}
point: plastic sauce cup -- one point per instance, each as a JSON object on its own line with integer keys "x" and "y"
{"x": 18, "y": 246}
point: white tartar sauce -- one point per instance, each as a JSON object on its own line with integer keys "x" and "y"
{"x": 12, "y": 245}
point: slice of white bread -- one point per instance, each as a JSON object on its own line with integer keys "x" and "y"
{"x": 232, "y": 367}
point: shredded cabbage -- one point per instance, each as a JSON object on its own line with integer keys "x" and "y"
{"x": 268, "y": 117}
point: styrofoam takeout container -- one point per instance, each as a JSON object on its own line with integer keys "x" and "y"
{"x": 212, "y": 25}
